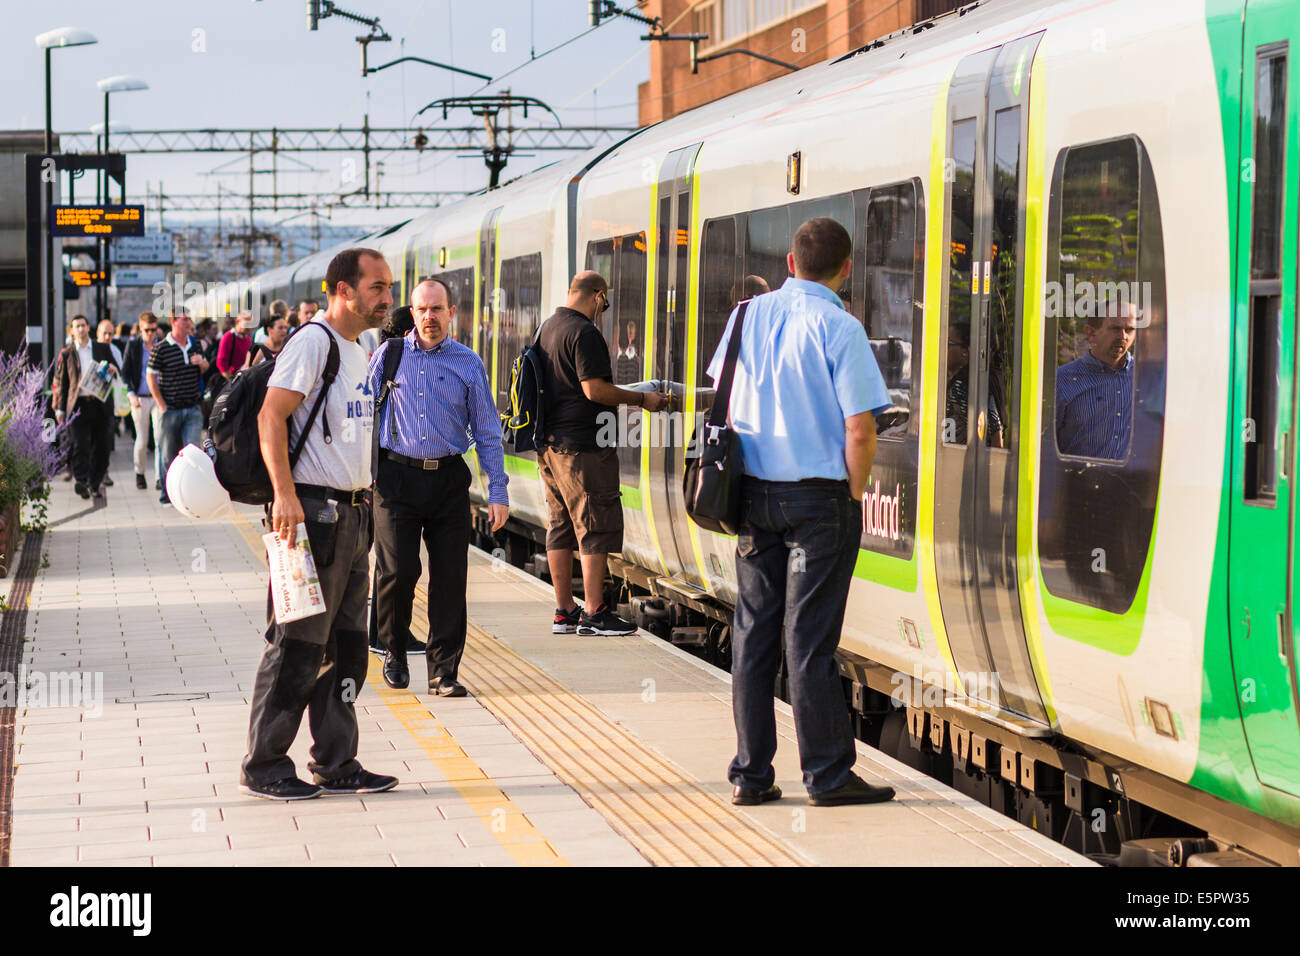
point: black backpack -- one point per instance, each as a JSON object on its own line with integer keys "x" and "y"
{"x": 521, "y": 424}
{"x": 232, "y": 429}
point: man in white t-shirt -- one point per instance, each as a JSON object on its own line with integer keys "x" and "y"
{"x": 319, "y": 663}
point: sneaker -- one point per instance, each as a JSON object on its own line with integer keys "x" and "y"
{"x": 287, "y": 788}
{"x": 81, "y": 490}
{"x": 853, "y": 791}
{"x": 566, "y": 622}
{"x": 363, "y": 781}
{"x": 604, "y": 623}
{"x": 141, "y": 483}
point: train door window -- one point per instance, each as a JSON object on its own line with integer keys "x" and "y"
{"x": 1005, "y": 266}
{"x": 839, "y": 208}
{"x": 506, "y": 304}
{"x": 460, "y": 282}
{"x": 767, "y": 243}
{"x": 628, "y": 309}
{"x": 1264, "y": 352}
{"x": 961, "y": 281}
{"x": 720, "y": 289}
{"x": 892, "y": 259}
{"x": 1103, "y": 373}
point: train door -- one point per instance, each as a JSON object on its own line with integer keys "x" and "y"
{"x": 978, "y": 446}
{"x": 1262, "y": 509}
{"x": 486, "y": 298}
{"x": 663, "y": 436}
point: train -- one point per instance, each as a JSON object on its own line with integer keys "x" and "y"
{"x": 1098, "y": 640}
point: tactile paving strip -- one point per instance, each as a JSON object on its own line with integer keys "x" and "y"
{"x": 669, "y": 818}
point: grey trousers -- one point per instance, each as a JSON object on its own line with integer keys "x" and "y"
{"x": 317, "y": 664}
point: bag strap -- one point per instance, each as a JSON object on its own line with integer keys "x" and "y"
{"x": 392, "y": 359}
{"x": 327, "y": 379}
{"x": 722, "y": 398}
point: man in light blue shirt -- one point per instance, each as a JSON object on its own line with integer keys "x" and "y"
{"x": 805, "y": 389}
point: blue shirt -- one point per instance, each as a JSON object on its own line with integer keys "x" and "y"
{"x": 143, "y": 390}
{"x": 1094, "y": 408}
{"x": 442, "y": 404}
{"x": 804, "y": 367}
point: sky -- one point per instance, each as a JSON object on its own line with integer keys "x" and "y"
{"x": 254, "y": 63}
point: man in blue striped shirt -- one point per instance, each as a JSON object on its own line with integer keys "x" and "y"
{"x": 439, "y": 404}
{"x": 1094, "y": 393}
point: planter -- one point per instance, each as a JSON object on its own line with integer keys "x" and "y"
{"x": 10, "y": 525}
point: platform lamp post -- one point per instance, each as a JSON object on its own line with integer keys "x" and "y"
{"x": 101, "y": 186}
{"x": 50, "y": 41}
{"x": 122, "y": 83}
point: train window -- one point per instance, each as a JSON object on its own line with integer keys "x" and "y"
{"x": 518, "y": 308}
{"x": 720, "y": 290}
{"x": 961, "y": 281}
{"x": 768, "y": 242}
{"x": 1005, "y": 267}
{"x": 891, "y": 255}
{"x": 1104, "y": 374}
{"x": 1264, "y": 348}
{"x": 623, "y": 262}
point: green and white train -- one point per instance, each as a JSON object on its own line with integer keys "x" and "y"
{"x": 1104, "y": 648}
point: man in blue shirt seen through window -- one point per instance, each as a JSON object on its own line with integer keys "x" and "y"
{"x": 805, "y": 389}
{"x": 1094, "y": 393}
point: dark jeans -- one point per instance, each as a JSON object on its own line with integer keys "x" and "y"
{"x": 89, "y": 432}
{"x": 411, "y": 505}
{"x": 795, "y": 554}
{"x": 317, "y": 664}
{"x": 180, "y": 427}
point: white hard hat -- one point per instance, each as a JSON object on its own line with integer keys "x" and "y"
{"x": 193, "y": 487}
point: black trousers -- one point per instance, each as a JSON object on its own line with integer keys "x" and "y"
{"x": 316, "y": 664}
{"x": 413, "y": 505}
{"x": 89, "y": 431}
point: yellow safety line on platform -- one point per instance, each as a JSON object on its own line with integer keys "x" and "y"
{"x": 660, "y": 809}
{"x": 524, "y": 842}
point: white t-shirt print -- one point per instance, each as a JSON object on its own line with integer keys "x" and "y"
{"x": 344, "y": 462}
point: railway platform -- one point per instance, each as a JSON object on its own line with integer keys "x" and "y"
{"x": 569, "y": 750}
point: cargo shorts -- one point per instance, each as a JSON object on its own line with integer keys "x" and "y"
{"x": 582, "y": 500}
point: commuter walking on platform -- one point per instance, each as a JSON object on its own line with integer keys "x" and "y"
{"x": 75, "y": 399}
{"x": 431, "y": 395}
{"x": 175, "y": 370}
{"x": 318, "y": 663}
{"x": 802, "y": 401}
{"x": 135, "y": 366}
{"x": 581, "y": 478}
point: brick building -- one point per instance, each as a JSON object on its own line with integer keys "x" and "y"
{"x": 801, "y": 32}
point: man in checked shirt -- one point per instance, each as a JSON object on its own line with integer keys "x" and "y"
{"x": 438, "y": 399}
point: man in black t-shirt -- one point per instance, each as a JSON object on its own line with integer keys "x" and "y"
{"x": 580, "y": 476}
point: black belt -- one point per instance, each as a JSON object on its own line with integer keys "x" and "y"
{"x": 320, "y": 493}
{"x": 424, "y": 464}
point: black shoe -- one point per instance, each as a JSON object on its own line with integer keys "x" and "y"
{"x": 396, "y": 674}
{"x": 603, "y": 622}
{"x": 854, "y": 791}
{"x": 415, "y": 646}
{"x": 288, "y": 788}
{"x": 108, "y": 482}
{"x": 81, "y": 490}
{"x": 141, "y": 483}
{"x": 363, "y": 781}
{"x": 447, "y": 687}
{"x": 752, "y": 796}
{"x": 566, "y": 622}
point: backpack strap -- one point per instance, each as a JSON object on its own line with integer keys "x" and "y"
{"x": 330, "y": 373}
{"x": 393, "y": 349}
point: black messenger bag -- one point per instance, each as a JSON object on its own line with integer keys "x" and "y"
{"x": 711, "y": 481}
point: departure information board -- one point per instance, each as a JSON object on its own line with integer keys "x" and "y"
{"x": 99, "y": 221}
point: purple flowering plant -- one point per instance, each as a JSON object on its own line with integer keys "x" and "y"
{"x": 30, "y": 453}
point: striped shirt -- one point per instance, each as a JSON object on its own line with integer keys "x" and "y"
{"x": 441, "y": 405}
{"x": 1094, "y": 408}
{"x": 178, "y": 380}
